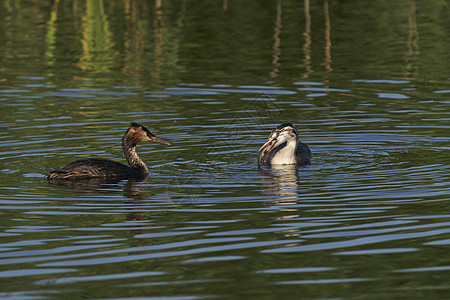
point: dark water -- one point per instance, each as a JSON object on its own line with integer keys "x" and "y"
{"x": 366, "y": 84}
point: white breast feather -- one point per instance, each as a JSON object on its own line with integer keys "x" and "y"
{"x": 286, "y": 156}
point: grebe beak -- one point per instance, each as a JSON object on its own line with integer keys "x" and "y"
{"x": 268, "y": 145}
{"x": 156, "y": 139}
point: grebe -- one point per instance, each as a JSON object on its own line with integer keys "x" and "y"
{"x": 103, "y": 168}
{"x": 283, "y": 148}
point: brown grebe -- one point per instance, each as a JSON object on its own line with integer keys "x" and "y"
{"x": 283, "y": 148}
{"x": 103, "y": 168}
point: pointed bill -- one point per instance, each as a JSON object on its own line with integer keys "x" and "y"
{"x": 156, "y": 139}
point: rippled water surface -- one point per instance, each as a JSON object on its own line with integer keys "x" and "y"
{"x": 369, "y": 219}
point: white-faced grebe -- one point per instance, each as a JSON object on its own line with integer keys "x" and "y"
{"x": 103, "y": 168}
{"x": 283, "y": 148}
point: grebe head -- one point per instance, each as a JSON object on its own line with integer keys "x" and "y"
{"x": 137, "y": 133}
{"x": 283, "y": 135}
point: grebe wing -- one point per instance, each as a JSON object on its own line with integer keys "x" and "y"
{"x": 93, "y": 167}
{"x": 303, "y": 154}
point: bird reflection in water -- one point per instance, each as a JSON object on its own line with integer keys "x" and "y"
{"x": 131, "y": 188}
{"x": 281, "y": 185}
{"x": 281, "y": 180}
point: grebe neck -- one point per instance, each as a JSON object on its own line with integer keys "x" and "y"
{"x": 129, "y": 149}
{"x": 286, "y": 154}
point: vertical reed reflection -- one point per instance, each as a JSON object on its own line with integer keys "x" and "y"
{"x": 225, "y": 5}
{"x": 327, "y": 36}
{"x": 413, "y": 38}
{"x": 74, "y": 7}
{"x": 98, "y": 51}
{"x": 134, "y": 43}
{"x": 50, "y": 34}
{"x": 159, "y": 35}
{"x": 276, "y": 42}
{"x": 307, "y": 44}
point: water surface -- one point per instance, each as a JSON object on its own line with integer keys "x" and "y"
{"x": 368, "y": 92}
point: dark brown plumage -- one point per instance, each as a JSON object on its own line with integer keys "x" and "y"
{"x": 103, "y": 168}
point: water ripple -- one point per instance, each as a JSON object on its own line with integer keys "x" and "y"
{"x": 135, "y": 257}
{"x": 359, "y": 241}
{"x": 75, "y": 279}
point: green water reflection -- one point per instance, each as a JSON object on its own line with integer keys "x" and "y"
{"x": 167, "y": 41}
{"x": 366, "y": 82}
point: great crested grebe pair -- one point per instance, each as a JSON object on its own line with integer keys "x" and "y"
{"x": 281, "y": 148}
